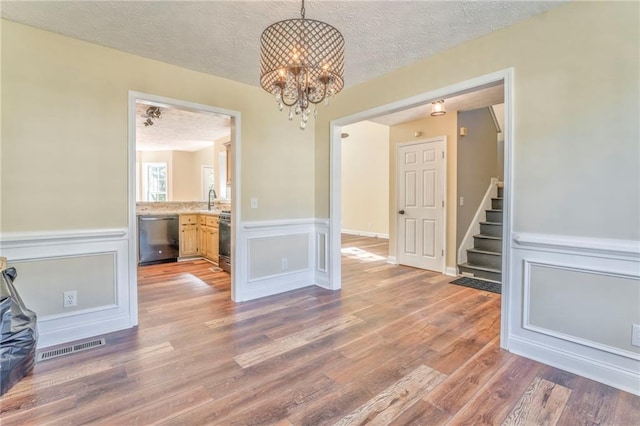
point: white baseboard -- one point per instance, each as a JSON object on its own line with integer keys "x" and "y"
{"x": 451, "y": 271}
{"x": 276, "y": 285}
{"x": 56, "y": 332}
{"x": 627, "y": 380}
{"x": 392, "y": 260}
{"x": 365, "y": 233}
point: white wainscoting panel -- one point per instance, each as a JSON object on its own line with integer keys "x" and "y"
{"x": 262, "y": 247}
{"x": 568, "y": 286}
{"x": 53, "y": 252}
{"x": 322, "y": 253}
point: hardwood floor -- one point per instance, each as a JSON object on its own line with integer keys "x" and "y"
{"x": 396, "y": 346}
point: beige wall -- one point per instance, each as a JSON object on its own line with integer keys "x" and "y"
{"x": 429, "y": 127}
{"x": 185, "y": 182}
{"x": 477, "y": 164}
{"x": 187, "y": 173}
{"x": 568, "y": 150}
{"x": 79, "y": 93}
{"x": 365, "y": 178}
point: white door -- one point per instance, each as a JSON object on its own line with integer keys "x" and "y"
{"x": 420, "y": 201}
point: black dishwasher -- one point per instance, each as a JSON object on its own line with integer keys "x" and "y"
{"x": 158, "y": 239}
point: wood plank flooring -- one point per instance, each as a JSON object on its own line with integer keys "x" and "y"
{"x": 395, "y": 346}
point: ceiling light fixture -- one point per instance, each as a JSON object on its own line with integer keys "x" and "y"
{"x": 152, "y": 112}
{"x": 437, "y": 108}
{"x": 301, "y": 63}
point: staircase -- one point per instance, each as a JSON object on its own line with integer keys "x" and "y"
{"x": 484, "y": 260}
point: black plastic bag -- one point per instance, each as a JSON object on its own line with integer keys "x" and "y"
{"x": 19, "y": 334}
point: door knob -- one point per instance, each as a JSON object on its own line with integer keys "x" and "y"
{"x": 401, "y": 212}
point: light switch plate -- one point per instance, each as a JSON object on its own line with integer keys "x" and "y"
{"x": 254, "y": 202}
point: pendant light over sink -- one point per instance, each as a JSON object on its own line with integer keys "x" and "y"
{"x": 301, "y": 64}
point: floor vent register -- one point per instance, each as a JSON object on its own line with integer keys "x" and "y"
{"x": 71, "y": 349}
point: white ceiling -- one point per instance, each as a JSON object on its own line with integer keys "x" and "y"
{"x": 222, "y": 37}
{"x": 179, "y": 129}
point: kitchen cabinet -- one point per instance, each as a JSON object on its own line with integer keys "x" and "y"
{"x": 211, "y": 238}
{"x": 188, "y": 235}
{"x": 202, "y": 235}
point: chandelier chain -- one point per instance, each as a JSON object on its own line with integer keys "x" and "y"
{"x": 302, "y": 10}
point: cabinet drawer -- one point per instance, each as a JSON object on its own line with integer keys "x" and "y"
{"x": 212, "y": 221}
{"x": 188, "y": 219}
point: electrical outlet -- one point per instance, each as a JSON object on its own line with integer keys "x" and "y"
{"x": 285, "y": 263}
{"x": 70, "y": 299}
{"x": 462, "y": 201}
{"x": 635, "y": 334}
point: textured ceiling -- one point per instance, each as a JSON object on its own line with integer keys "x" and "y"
{"x": 222, "y": 37}
{"x": 483, "y": 97}
{"x": 179, "y": 129}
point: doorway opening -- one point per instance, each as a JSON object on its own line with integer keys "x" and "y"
{"x": 503, "y": 78}
{"x": 168, "y": 133}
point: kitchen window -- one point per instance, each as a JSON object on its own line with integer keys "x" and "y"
{"x": 154, "y": 181}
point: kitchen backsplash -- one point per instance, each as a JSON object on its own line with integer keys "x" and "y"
{"x": 179, "y": 206}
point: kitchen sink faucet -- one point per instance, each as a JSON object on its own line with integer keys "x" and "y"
{"x": 211, "y": 198}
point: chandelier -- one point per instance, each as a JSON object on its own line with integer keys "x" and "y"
{"x": 301, "y": 64}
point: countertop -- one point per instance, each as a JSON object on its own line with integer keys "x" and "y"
{"x": 181, "y": 208}
{"x": 178, "y": 212}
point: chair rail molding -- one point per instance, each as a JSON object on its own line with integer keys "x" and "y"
{"x": 50, "y": 247}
